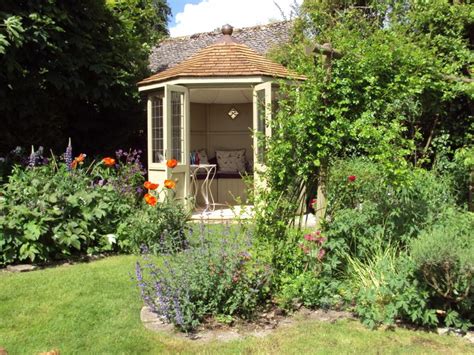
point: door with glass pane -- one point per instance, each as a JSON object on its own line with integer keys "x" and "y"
{"x": 262, "y": 113}
{"x": 176, "y": 142}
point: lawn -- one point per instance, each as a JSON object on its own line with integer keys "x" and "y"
{"x": 93, "y": 308}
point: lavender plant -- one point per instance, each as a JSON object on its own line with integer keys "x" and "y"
{"x": 217, "y": 276}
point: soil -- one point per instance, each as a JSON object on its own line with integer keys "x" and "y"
{"x": 266, "y": 323}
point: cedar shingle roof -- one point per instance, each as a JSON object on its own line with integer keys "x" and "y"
{"x": 226, "y": 57}
{"x": 261, "y": 39}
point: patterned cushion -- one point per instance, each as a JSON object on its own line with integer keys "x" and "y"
{"x": 203, "y": 159}
{"x": 231, "y": 160}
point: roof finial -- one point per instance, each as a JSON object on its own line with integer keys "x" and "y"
{"x": 227, "y": 30}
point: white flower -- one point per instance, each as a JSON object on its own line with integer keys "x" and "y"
{"x": 112, "y": 238}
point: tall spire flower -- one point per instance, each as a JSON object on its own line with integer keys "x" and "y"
{"x": 68, "y": 155}
{"x": 32, "y": 158}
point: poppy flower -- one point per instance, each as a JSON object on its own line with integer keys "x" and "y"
{"x": 150, "y": 186}
{"x": 150, "y": 199}
{"x": 351, "y": 178}
{"x": 108, "y": 161}
{"x": 171, "y": 163}
{"x": 170, "y": 184}
{"x": 78, "y": 160}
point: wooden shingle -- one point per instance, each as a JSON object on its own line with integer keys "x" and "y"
{"x": 225, "y": 57}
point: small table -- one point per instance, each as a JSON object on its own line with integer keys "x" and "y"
{"x": 206, "y": 192}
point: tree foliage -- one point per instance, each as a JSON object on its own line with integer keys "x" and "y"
{"x": 69, "y": 68}
{"x": 402, "y": 84}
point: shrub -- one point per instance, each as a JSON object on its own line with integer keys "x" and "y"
{"x": 60, "y": 209}
{"x": 214, "y": 277}
{"x": 310, "y": 276}
{"x": 371, "y": 205}
{"x": 48, "y": 214}
{"x": 160, "y": 228}
{"x": 444, "y": 258}
{"x": 384, "y": 289}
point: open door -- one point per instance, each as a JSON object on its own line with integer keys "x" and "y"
{"x": 168, "y": 137}
{"x": 262, "y": 114}
{"x": 177, "y": 137}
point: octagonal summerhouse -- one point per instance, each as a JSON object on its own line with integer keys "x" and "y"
{"x": 213, "y": 106}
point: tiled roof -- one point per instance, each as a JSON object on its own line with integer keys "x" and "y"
{"x": 226, "y": 57}
{"x": 172, "y": 51}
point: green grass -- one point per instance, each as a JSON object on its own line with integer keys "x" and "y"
{"x": 94, "y": 309}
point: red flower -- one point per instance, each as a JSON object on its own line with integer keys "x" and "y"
{"x": 170, "y": 184}
{"x": 351, "y": 178}
{"x": 108, "y": 161}
{"x": 150, "y": 186}
{"x": 171, "y": 163}
{"x": 150, "y": 199}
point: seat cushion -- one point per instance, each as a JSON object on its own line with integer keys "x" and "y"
{"x": 232, "y": 161}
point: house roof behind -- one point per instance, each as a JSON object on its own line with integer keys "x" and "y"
{"x": 224, "y": 58}
{"x": 261, "y": 39}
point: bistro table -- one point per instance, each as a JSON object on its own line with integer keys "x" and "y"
{"x": 210, "y": 172}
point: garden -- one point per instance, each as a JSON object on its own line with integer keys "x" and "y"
{"x": 377, "y": 144}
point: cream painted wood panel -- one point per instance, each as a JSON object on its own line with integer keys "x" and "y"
{"x": 230, "y": 189}
{"x": 224, "y": 191}
{"x": 212, "y": 128}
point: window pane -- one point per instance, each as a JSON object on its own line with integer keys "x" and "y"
{"x": 177, "y": 122}
{"x": 157, "y": 129}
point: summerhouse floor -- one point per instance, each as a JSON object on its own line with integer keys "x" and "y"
{"x": 234, "y": 214}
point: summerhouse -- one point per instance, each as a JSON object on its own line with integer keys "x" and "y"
{"x": 210, "y": 112}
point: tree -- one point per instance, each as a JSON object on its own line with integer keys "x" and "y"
{"x": 69, "y": 68}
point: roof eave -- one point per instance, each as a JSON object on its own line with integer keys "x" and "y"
{"x": 184, "y": 80}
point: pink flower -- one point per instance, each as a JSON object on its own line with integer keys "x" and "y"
{"x": 309, "y": 238}
{"x": 320, "y": 240}
{"x": 304, "y": 248}
{"x": 321, "y": 254}
{"x": 351, "y": 178}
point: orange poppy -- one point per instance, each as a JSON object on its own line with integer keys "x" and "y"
{"x": 150, "y": 186}
{"x": 78, "y": 160}
{"x": 170, "y": 184}
{"x": 171, "y": 163}
{"x": 150, "y": 199}
{"x": 108, "y": 161}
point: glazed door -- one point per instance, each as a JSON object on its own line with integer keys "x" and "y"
{"x": 176, "y": 138}
{"x": 262, "y": 114}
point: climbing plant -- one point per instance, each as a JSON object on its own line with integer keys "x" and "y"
{"x": 391, "y": 94}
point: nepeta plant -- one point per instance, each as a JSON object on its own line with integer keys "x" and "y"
{"x": 218, "y": 276}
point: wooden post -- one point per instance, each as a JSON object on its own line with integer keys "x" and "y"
{"x": 328, "y": 54}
